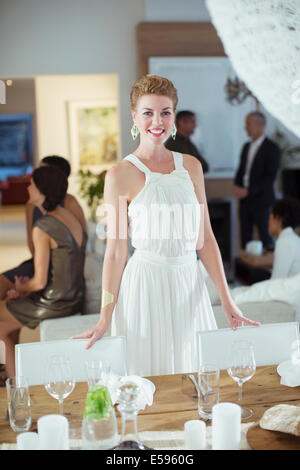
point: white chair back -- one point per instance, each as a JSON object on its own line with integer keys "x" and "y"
{"x": 272, "y": 343}
{"x": 31, "y": 358}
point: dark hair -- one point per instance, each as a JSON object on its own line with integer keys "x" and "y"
{"x": 288, "y": 210}
{"x": 59, "y": 162}
{"x": 184, "y": 115}
{"x": 258, "y": 116}
{"x": 52, "y": 183}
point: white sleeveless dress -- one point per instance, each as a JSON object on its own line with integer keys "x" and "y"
{"x": 163, "y": 298}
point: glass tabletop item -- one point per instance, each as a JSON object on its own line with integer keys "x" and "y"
{"x": 241, "y": 367}
{"x": 99, "y": 425}
{"x": 18, "y": 399}
{"x": 97, "y": 372}
{"x": 128, "y": 407}
{"x": 59, "y": 380}
{"x": 208, "y": 389}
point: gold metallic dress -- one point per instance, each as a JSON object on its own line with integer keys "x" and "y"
{"x": 64, "y": 293}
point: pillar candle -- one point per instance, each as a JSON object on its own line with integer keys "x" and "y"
{"x": 226, "y": 426}
{"x": 194, "y": 435}
{"x": 53, "y": 431}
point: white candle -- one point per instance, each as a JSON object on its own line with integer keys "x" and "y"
{"x": 194, "y": 435}
{"x": 226, "y": 426}
{"x": 28, "y": 441}
{"x": 53, "y": 432}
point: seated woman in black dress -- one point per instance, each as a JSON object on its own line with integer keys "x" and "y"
{"x": 25, "y": 270}
{"x": 57, "y": 286}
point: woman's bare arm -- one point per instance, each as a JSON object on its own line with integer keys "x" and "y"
{"x": 115, "y": 258}
{"x": 29, "y": 208}
{"x": 41, "y": 259}
{"x": 209, "y": 252}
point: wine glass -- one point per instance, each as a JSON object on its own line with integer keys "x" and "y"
{"x": 59, "y": 381}
{"x": 241, "y": 367}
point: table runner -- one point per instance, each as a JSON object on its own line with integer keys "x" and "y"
{"x": 160, "y": 440}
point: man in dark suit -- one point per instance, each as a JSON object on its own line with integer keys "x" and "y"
{"x": 254, "y": 180}
{"x": 186, "y": 123}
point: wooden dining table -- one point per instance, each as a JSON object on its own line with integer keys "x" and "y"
{"x": 174, "y": 401}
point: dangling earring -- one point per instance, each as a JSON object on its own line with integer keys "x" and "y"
{"x": 173, "y": 131}
{"x": 134, "y": 131}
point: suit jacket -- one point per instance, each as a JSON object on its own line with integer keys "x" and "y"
{"x": 262, "y": 174}
{"x": 184, "y": 145}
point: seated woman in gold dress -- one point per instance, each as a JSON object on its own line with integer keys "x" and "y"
{"x": 26, "y": 268}
{"x": 57, "y": 286}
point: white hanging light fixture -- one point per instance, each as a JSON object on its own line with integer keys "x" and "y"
{"x": 262, "y": 40}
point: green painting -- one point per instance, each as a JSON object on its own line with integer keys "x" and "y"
{"x": 98, "y": 136}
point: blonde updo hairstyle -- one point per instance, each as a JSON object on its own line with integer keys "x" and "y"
{"x": 153, "y": 85}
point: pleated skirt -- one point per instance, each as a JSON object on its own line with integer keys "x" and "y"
{"x": 162, "y": 303}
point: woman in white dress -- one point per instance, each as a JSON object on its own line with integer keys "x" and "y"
{"x": 158, "y": 299}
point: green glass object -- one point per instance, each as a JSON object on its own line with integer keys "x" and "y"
{"x": 98, "y": 403}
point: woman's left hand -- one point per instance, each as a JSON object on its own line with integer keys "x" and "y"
{"x": 235, "y": 317}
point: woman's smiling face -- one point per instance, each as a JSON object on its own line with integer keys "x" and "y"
{"x": 154, "y": 117}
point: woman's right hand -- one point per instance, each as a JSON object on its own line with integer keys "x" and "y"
{"x": 94, "y": 333}
{"x": 13, "y": 294}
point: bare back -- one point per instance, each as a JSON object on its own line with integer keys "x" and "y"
{"x": 71, "y": 222}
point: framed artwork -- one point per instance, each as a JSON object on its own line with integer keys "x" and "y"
{"x": 93, "y": 134}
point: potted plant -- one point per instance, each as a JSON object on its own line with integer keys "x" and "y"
{"x": 91, "y": 189}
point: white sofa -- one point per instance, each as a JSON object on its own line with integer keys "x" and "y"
{"x": 264, "y": 312}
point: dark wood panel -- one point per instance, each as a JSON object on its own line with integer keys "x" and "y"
{"x": 184, "y": 39}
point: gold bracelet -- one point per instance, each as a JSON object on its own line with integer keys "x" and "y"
{"x": 106, "y": 298}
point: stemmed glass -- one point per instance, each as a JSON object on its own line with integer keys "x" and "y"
{"x": 241, "y": 367}
{"x": 59, "y": 381}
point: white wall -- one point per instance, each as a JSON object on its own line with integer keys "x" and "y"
{"x": 44, "y": 37}
{"x": 53, "y": 92}
{"x": 40, "y": 37}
